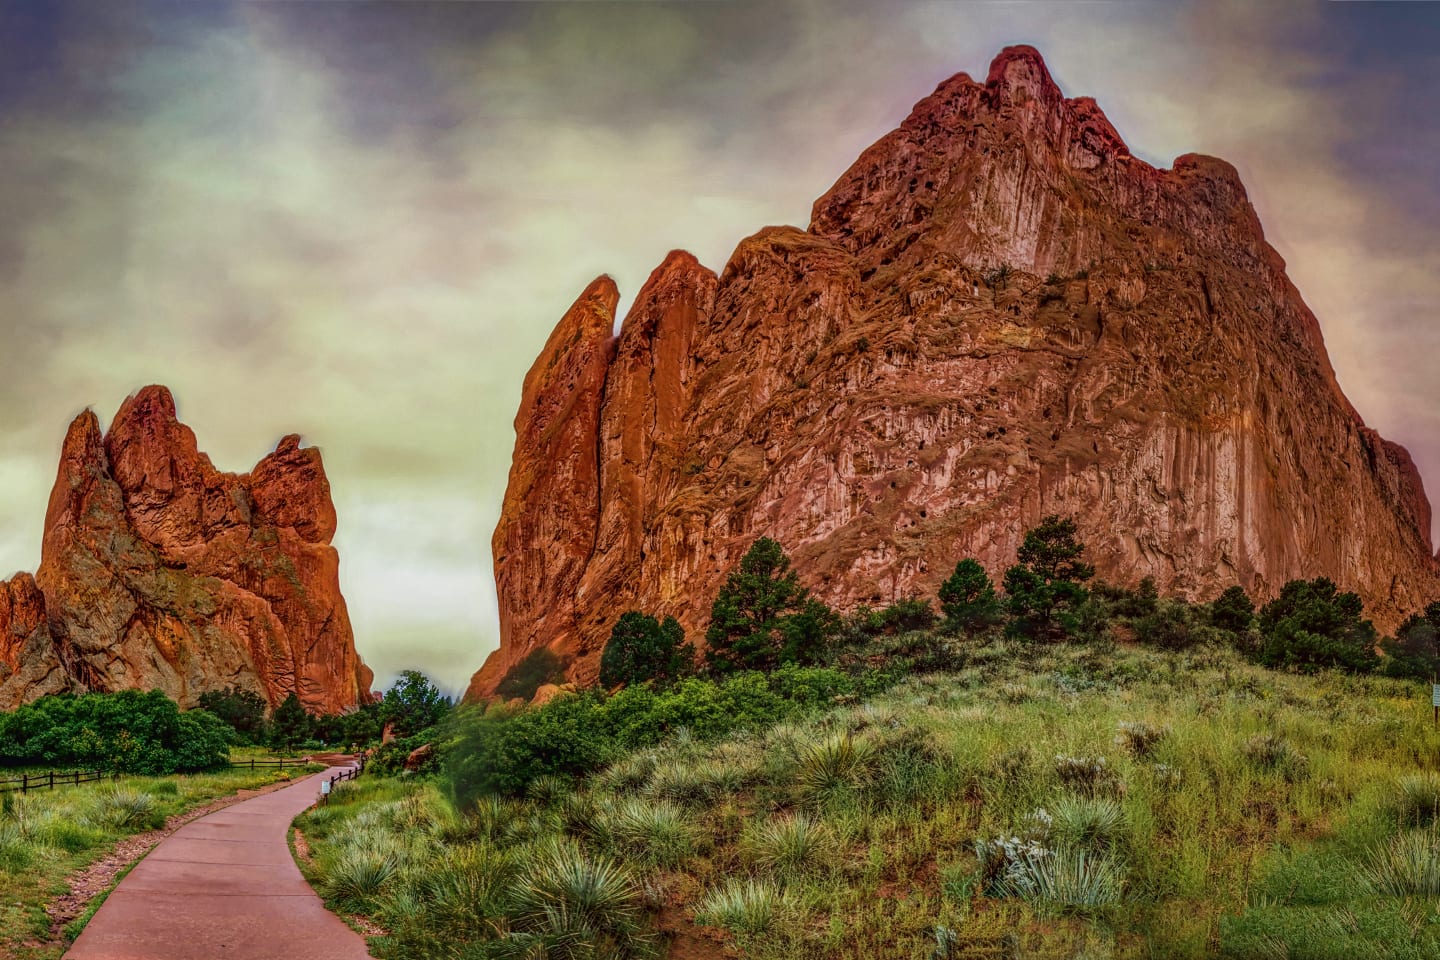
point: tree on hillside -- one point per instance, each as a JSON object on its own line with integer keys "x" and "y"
{"x": 413, "y": 703}
{"x": 1312, "y": 625}
{"x": 1045, "y": 588}
{"x": 1233, "y": 610}
{"x": 968, "y": 599}
{"x": 642, "y": 648}
{"x": 1415, "y": 649}
{"x": 763, "y": 617}
{"x": 243, "y": 710}
{"x": 291, "y": 724}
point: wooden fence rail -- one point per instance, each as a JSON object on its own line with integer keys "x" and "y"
{"x": 52, "y": 779}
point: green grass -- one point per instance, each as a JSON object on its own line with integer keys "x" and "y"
{"x": 47, "y": 835}
{"x": 1033, "y": 802}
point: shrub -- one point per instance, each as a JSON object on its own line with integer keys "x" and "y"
{"x": 744, "y": 906}
{"x": 1088, "y": 775}
{"x": 240, "y": 709}
{"x": 122, "y": 808}
{"x": 1138, "y": 738}
{"x": 357, "y": 876}
{"x": 1270, "y": 752}
{"x": 1313, "y": 625}
{"x": 1415, "y": 649}
{"x": 539, "y": 667}
{"x": 1233, "y": 610}
{"x": 642, "y": 649}
{"x": 904, "y": 616}
{"x": 1170, "y": 625}
{"x": 566, "y": 893}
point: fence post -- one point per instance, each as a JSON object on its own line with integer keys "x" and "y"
{"x": 24, "y": 783}
{"x": 52, "y": 779}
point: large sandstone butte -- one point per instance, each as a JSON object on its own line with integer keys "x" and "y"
{"x": 996, "y": 313}
{"x": 160, "y": 572}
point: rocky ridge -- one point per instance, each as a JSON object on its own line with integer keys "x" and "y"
{"x": 996, "y": 313}
{"x": 160, "y": 572}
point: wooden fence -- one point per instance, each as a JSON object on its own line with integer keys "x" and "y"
{"x": 52, "y": 779}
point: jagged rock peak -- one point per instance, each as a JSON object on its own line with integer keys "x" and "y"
{"x": 997, "y": 313}
{"x": 160, "y": 572}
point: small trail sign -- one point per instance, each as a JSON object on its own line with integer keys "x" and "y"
{"x": 1435, "y": 694}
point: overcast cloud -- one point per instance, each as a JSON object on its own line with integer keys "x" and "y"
{"x": 360, "y": 222}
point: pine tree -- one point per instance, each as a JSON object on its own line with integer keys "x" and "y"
{"x": 763, "y": 617}
{"x": 642, "y": 649}
{"x": 1045, "y": 588}
{"x": 1313, "y": 625}
{"x": 290, "y": 724}
{"x": 968, "y": 599}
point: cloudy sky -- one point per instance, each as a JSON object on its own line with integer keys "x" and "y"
{"x": 360, "y": 221}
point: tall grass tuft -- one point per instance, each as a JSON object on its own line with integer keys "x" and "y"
{"x": 791, "y": 847}
{"x": 1139, "y": 739}
{"x": 1271, "y": 752}
{"x": 834, "y": 765}
{"x": 1407, "y": 866}
{"x": 357, "y": 876}
{"x": 655, "y": 832}
{"x": 1094, "y": 822}
{"x": 122, "y": 808}
{"x": 1417, "y": 798}
{"x": 744, "y": 906}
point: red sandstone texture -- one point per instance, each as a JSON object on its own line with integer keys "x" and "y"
{"x": 997, "y": 313}
{"x": 160, "y": 572}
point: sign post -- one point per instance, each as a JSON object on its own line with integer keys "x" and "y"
{"x": 1435, "y": 701}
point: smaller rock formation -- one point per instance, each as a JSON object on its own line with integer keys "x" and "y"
{"x": 160, "y": 572}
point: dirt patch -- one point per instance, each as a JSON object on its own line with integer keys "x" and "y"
{"x": 302, "y": 847}
{"x": 89, "y": 882}
{"x": 686, "y": 941}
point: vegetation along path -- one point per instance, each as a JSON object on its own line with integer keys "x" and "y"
{"x": 224, "y": 885}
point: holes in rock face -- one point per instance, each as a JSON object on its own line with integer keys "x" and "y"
{"x": 923, "y": 514}
{"x": 909, "y": 463}
{"x": 994, "y": 390}
{"x": 1055, "y": 436}
{"x": 1002, "y": 430}
{"x": 929, "y": 184}
{"x": 892, "y": 484}
{"x": 922, "y": 444}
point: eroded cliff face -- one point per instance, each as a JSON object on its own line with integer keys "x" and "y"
{"x": 996, "y": 313}
{"x": 160, "y": 572}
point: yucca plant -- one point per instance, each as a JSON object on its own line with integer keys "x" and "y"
{"x": 681, "y": 782}
{"x": 791, "y": 846}
{"x": 122, "y": 808}
{"x": 1068, "y": 879}
{"x": 463, "y": 892}
{"x": 564, "y": 888}
{"x": 357, "y": 876}
{"x": 656, "y": 832}
{"x": 1095, "y": 822}
{"x": 1088, "y": 775}
{"x": 1407, "y": 866}
{"x": 1417, "y": 798}
{"x": 17, "y": 852}
{"x": 1271, "y": 752}
{"x": 834, "y": 765}
{"x": 744, "y": 905}
{"x": 547, "y": 791}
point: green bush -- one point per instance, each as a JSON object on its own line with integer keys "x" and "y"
{"x": 642, "y": 649}
{"x": 128, "y": 732}
{"x": 968, "y": 599}
{"x": 539, "y": 667}
{"x": 1313, "y": 625}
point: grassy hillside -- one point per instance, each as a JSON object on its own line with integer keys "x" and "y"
{"x": 1031, "y": 801}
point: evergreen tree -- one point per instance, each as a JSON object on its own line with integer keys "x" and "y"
{"x": 290, "y": 724}
{"x": 1415, "y": 650}
{"x": 1313, "y": 625}
{"x": 1045, "y": 588}
{"x": 413, "y": 704}
{"x": 243, "y": 710}
{"x": 642, "y": 648}
{"x": 763, "y": 617}
{"x": 1233, "y": 610}
{"x": 968, "y": 599}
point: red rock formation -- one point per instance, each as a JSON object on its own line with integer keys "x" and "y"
{"x": 997, "y": 313}
{"x": 160, "y": 572}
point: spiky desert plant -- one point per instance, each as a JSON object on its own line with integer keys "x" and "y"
{"x": 547, "y": 791}
{"x": 1269, "y": 751}
{"x": 830, "y": 766}
{"x": 463, "y": 892}
{"x": 656, "y": 832}
{"x": 1407, "y": 865}
{"x": 1069, "y": 880}
{"x": 681, "y": 782}
{"x": 357, "y": 875}
{"x": 122, "y": 808}
{"x": 565, "y": 888}
{"x": 744, "y": 905}
{"x": 631, "y": 773}
{"x": 1094, "y": 822}
{"x": 1417, "y": 798}
{"x": 791, "y": 846}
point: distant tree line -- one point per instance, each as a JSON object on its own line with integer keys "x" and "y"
{"x": 764, "y": 618}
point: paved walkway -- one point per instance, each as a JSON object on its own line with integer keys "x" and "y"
{"x": 221, "y": 886}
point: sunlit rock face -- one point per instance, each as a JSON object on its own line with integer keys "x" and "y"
{"x": 160, "y": 572}
{"x": 997, "y": 313}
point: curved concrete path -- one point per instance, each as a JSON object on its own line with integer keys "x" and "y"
{"x": 224, "y": 885}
